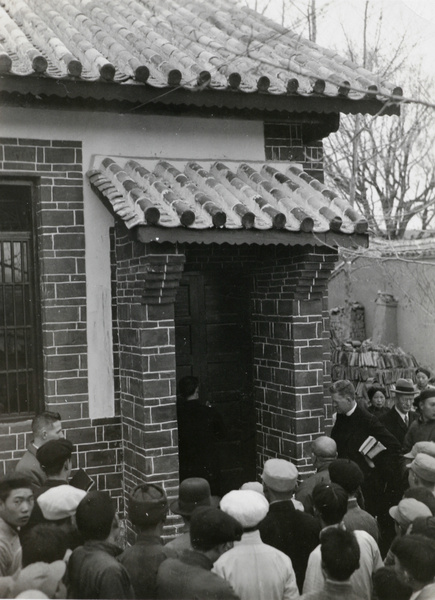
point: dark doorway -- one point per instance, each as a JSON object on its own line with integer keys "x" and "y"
{"x": 213, "y": 343}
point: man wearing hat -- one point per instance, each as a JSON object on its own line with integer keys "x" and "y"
{"x": 147, "y": 510}
{"x": 290, "y": 530}
{"x": 212, "y": 532}
{"x": 422, "y": 472}
{"x": 399, "y": 418}
{"x": 254, "y": 570}
{"x": 193, "y": 492}
{"x": 423, "y": 428}
{"x": 406, "y": 512}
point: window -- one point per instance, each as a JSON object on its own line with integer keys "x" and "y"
{"x": 19, "y": 357}
{"x": 283, "y": 141}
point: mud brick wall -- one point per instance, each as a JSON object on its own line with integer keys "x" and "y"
{"x": 290, "y": 346}
{"x": 55, "y": 169}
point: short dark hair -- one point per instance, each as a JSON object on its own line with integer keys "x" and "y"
{"x": 187, "y": 386}
{"x": 210, "y": 527}
{"x": 94, "y": 516}
{"x": 422, "y": 494}
{"x": 424, "y": 526}
{"x": 373, "y": 389}
{"x": 387, "y": 586}
{"x": 13, "y": 481}
{"x": 43, "y": 420}
{"x": 330, "y": 500}
{"x": 340, "y": 553}
{"x": 343, "y": 387}
{"x": 346, "y": 473}
{"x": 44, "y": 543}
{"x": 416, "y": 554}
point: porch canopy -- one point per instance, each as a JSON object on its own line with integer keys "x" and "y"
{"x": 225, "y": 202}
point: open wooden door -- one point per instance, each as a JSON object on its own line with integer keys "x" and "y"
{"x": 213, "y": 343}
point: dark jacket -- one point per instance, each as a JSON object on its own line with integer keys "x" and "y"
{"x": 396, "y": 425}
{"x": 304, "y": 493}
{"x": 190, "y": 578}
{"x": 142, "y": 561}
{"x": 93, "y": 573}
{"x": 419, "y": 431}
{"x": 293, "y": 532}
{"x": 350, "y": 432}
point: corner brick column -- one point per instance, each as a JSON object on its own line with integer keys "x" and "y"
{"x": 291, "y": 345}
{"x": 147, "y": 280}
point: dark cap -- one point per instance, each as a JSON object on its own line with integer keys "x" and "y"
{"x": 194, "y": 492}
{"x": 54, "y": 452}
{"x": 424, "y": 395}
{"x": 210, "y": 527}
{"x": 346, "y": 473}
{"x": 147, "y": 505}
{"x": 422, "y": 370}
{"x": 95, "y": 514}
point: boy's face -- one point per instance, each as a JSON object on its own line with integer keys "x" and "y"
{"x": 17, "y": 507}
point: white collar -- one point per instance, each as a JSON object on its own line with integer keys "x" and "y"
{"x": 351, "y": 411}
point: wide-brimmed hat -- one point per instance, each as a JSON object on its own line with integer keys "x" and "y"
{"x": 193, "y": 492}
{"x": 404, "y": 386}
{"x": 424, "y": 395}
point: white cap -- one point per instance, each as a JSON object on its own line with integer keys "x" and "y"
{"x": 280, "y": 475}
{"x": 255, "y": 486}
{"x": 60, "y": 502}
{"x": 246, "y": 506}
{"x": 44, "y": 577}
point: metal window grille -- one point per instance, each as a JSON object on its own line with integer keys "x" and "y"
{"x": 19, "y": 381}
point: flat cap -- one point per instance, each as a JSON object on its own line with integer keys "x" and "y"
{"x": 423, "y": 448}
{"x": 407, "y": 510}
{"x": 280, "y": 475}
{"x": 246, "y": 506}
{"x": 423, "y": 466}
{"x": 147, "y": 504}
{"x": 60, "y": 502}
{"x": 255, "y": 486}
{"x": 54, "y": 451}
{"x": 210, "y": 527}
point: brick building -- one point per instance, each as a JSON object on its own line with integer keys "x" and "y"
{"x": 163, "y": 213}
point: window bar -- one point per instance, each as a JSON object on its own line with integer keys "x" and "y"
{"x": 15, "y": 326}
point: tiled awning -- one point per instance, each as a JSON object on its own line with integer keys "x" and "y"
{"x": 195, "y": 45}
{"x": 221, "y": 196}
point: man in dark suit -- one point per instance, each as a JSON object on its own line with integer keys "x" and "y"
{"x": 352, "y": 427}
{"x": 285, "y": 528}
{"x": 400, "y": 416}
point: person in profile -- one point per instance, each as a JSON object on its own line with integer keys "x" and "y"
{"x": 200, "y": 429}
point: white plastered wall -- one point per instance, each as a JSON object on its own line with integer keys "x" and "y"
{"x": 126, "y": 136}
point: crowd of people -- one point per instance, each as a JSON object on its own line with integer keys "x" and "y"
{"x": 362, "y": 527}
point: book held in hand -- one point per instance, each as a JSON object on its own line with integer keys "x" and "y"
{"x": 81, "y": 480}
{"x": 370, "y": 448}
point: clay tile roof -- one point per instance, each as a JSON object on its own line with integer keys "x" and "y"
{"x": 420, "y": 248}
{"x": 220, "y": 196}
{"x": 217, "y": 45}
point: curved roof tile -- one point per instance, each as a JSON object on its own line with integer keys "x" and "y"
{"x": 220, "y": 45}
{"x": 241, "y": 196}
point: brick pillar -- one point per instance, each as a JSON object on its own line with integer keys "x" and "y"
{"x": 290, "y": 348}
{"x": 147, "y": 280}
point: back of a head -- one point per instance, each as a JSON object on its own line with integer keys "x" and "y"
{"x": 53, "y": 454}
{"x": 187, "y": 386}
{"x": 422, "y": 494}
{"x": 330, "y": 501}
{"x": 324, "y": 447}
{"x": 44, "y": 419}
{"x": 94, "y": 516}
{"x": 340, "y": 553}
{"x": 387, "y": 586}
{"x": 210, "y": 527}
{"x": 424, "y": 526}
{"x": 13, "y": 481}
{"x": 147, "y": 505}
{"x": 416, "y": 554}
{"x": 344, "y": 387}
{"x": 44, "y": 543}
{"x": 346, "y": 473}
